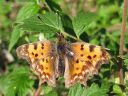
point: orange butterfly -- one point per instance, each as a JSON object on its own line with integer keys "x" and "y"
{"x": 77, "y": 61}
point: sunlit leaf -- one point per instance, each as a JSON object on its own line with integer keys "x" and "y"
{"x": 81, "y": 21}
{"x": 117, "y": 90}
{"x": 14, "y": 37}
{"x": 17, "y": 82}
{"x": 49, "y": 91}
{"x": 27, "y": 11}
{"x": 46, "y": 23}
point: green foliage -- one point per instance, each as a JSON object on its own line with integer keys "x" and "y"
{"x": 49, "y": 91}
{"x": 81, "y": 21}
{"x": 93, "y": 90}
{"x": 117, "y": 90}
{"x": 27, "y": 11}
{"x": 23, "y": 21}
{"x": 17, "y": 82}
{"x": 48, "y": 22}
{"x": 14, "y": 37}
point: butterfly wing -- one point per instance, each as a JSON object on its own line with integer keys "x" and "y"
{"x": 42, "y": 59}
{"x": 83, "y": 60}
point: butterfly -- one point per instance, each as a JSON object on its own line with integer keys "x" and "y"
{"x": 76, "y": 61}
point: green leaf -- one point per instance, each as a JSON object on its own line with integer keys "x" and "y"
{"x": 53, "y": 5}
{"x": 81, "y": 21}
{"x": 24, "y": 1}
{"x": 17, "y": 82}
{"x": 14, "y": 37}
{"x": 75, "y": 90}
{"x": 117, "y": 90}
{"x": 67, "y": 24}
{"x": 5, "y": 8}
{"x": 126, "y": 61}
{"x": 52, "y": 20}
{"x": 93, "y": 90}
{"x": 49, "y": 91}
{"x": 27, "y": 11}
{"x": 46, "y": 23}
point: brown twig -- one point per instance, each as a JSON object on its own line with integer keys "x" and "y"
{"x": 120, "y": 64}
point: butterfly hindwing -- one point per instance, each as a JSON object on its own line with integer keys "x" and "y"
{"x": 84, "y": 61}
{"x": 42, "y": 59}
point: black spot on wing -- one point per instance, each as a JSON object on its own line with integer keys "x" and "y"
{"x": 82, "y": 55}
{"x": 42, "y": 54}
{"x": 32, "y": 53}
{"x": 77, "y": 61}
{"x": 43, "y": 60}
{"x": 91, "y": 48}
{"x": 94, "y": 56}
{"x": 36, "y": 55}
{"x": 103, "y": 52}
{"x": 46, "y": 60}
{"x": 42, "y": 44}
{"x": 35, "y": 46}
{"x": 89, "y": 57}
{"x": 82, "y": 47}
{"x": 77, "y": 68}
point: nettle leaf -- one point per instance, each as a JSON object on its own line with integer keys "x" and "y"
{"x": 93, "y": 90}
{"x": 24, "y": 1}
{"x": 53, "y": 5}
{"x": 81, "y": 22}
{"x": 52, "y": 20}
{"x": 14, "y": 37}
{"x": 76, "y": 90}
{"x": 117, "y": 90}
{"x": 17, "y": 83}
{"x": 49, "y": 91}
{"x": 126, "y": 61}
{"x": 46, "y": 23}
{"x": 27, "y": 11}
{"x": 67, "y": 24}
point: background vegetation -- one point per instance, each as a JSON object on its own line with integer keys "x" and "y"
{"x": 95, "y": 21}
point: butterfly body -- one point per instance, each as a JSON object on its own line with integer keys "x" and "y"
{"x": 76, "y": 61}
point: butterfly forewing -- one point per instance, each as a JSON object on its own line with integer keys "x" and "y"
{"x": 84, "y": 61}
{"x": 42, "y": 58}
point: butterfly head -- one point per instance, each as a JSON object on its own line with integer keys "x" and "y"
{"x": 60, "y": 37}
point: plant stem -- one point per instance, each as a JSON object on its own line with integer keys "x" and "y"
{"x": 120, "y": 64}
